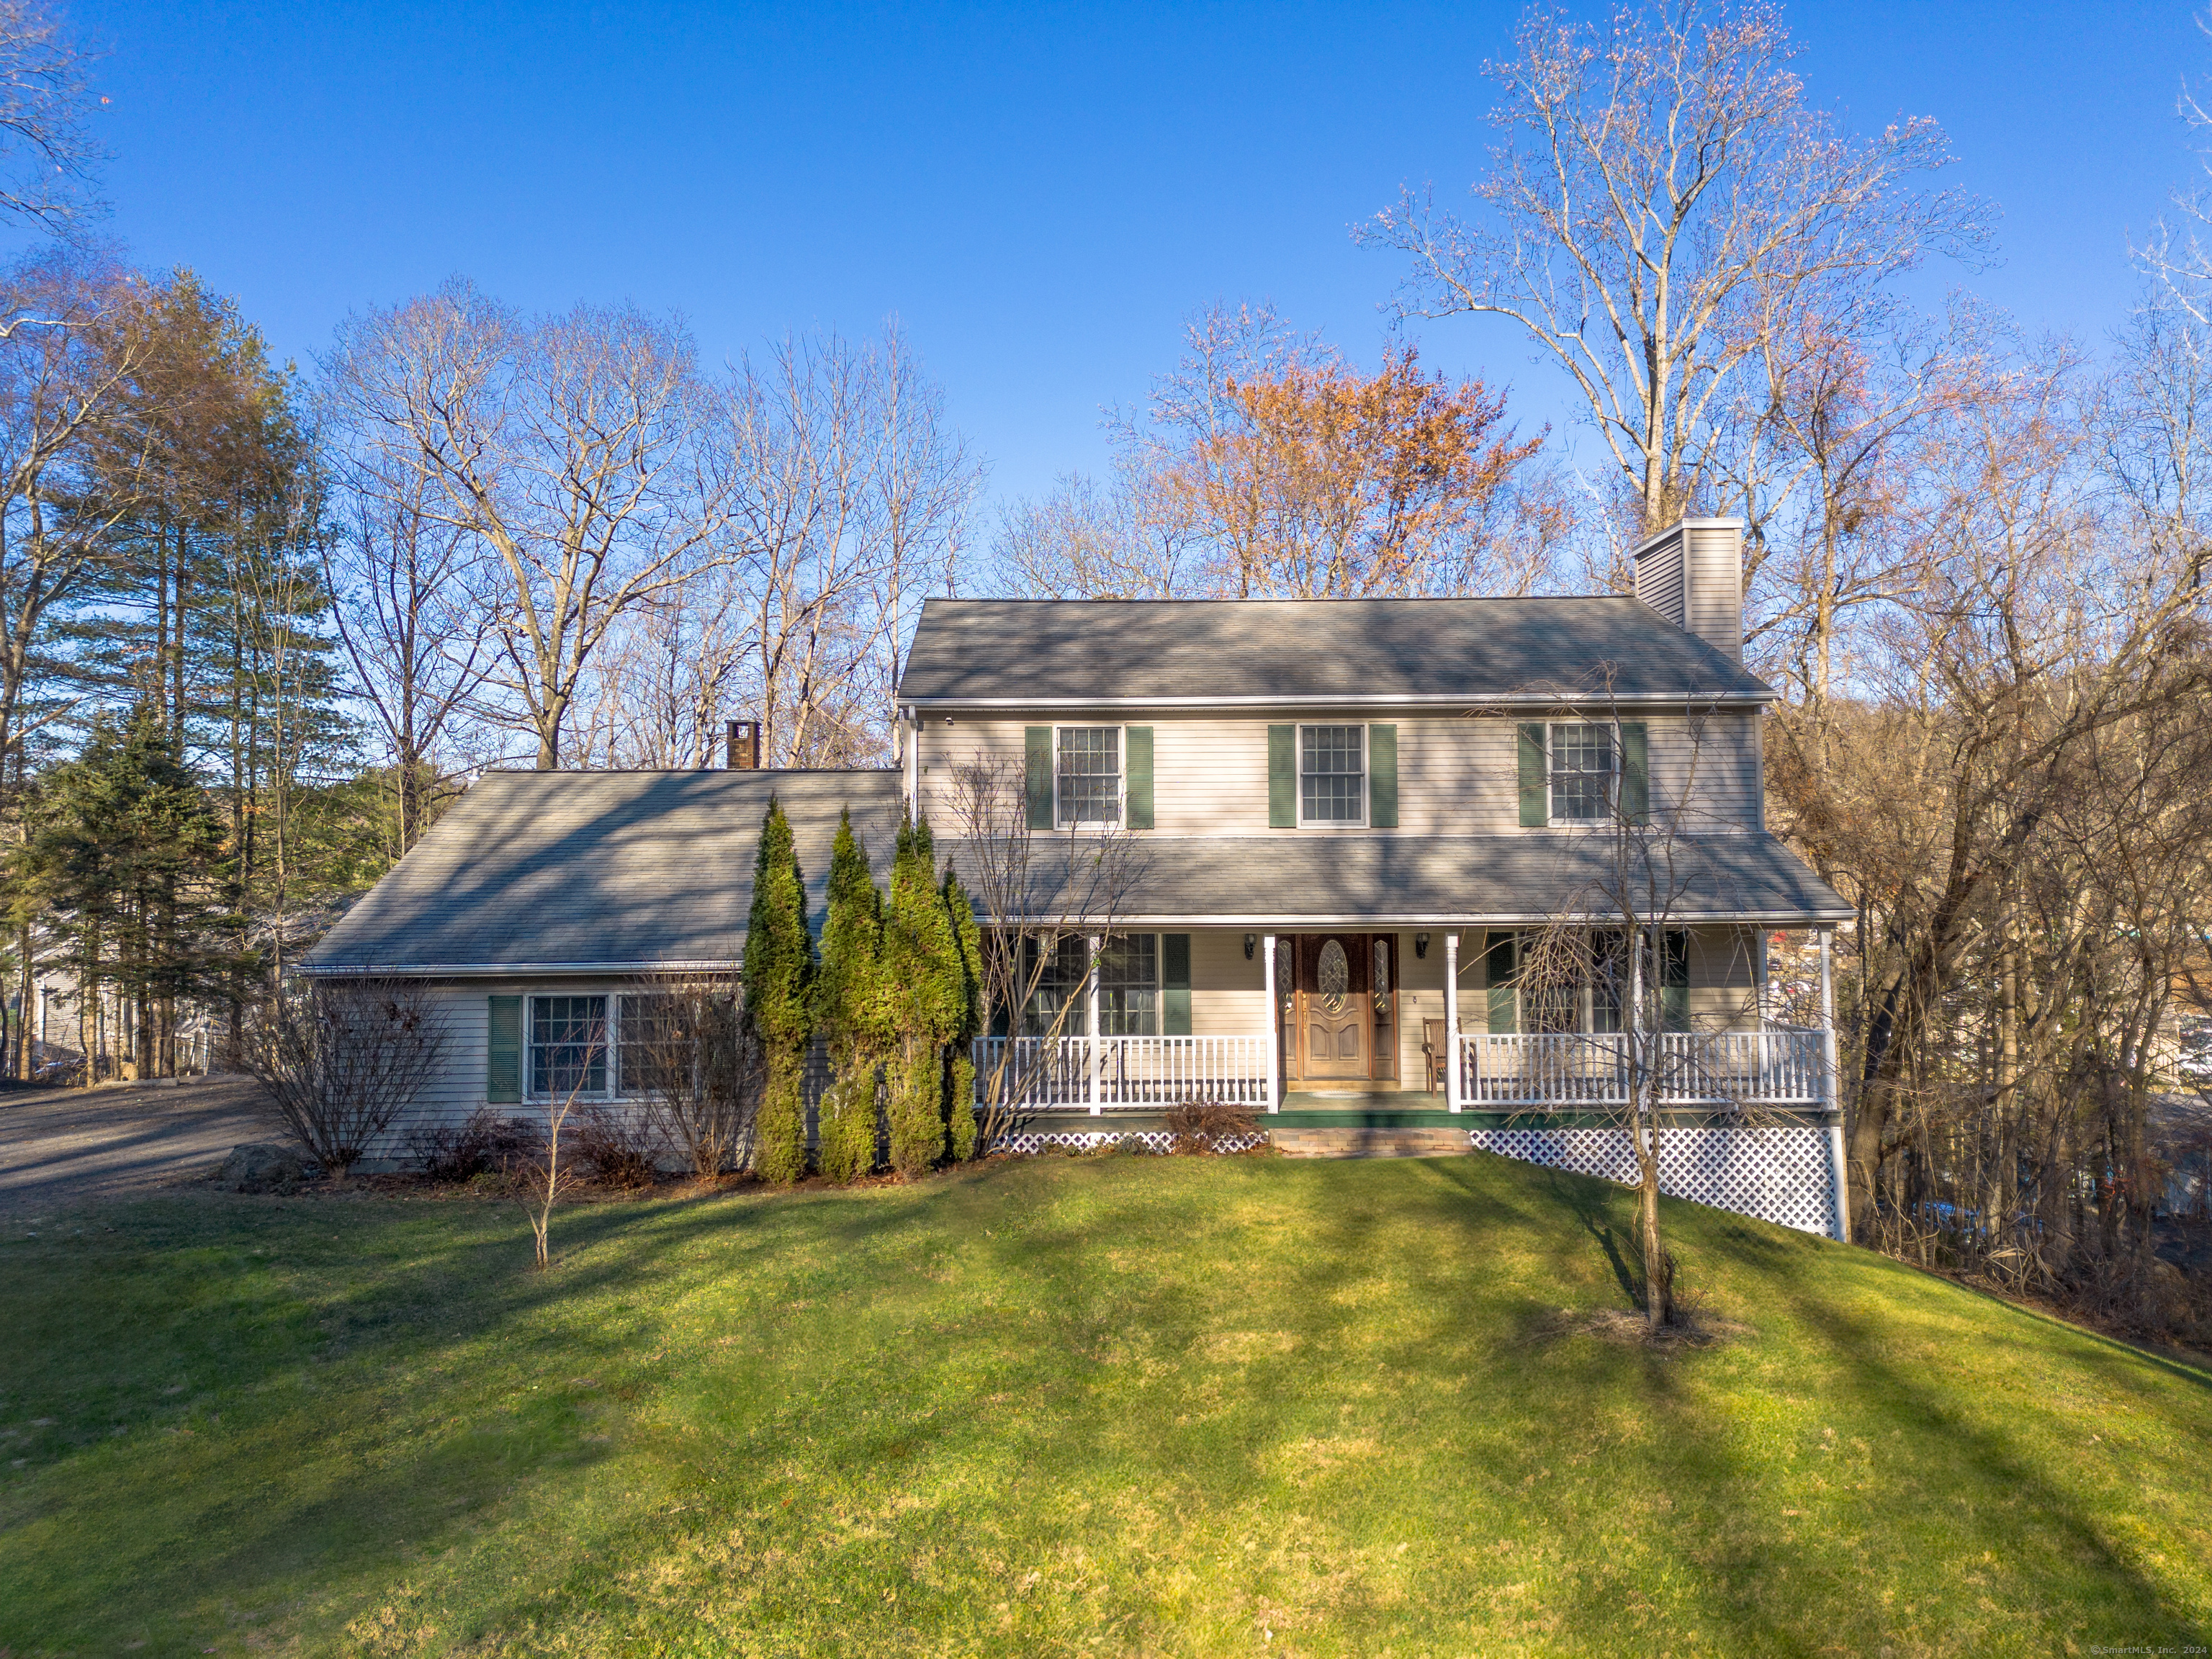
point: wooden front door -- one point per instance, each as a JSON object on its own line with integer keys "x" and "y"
{"x": 1335, "y": 1021}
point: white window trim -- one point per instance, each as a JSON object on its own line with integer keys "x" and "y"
{"x": 529, "y": 1091}
{"x": 1155, "y": 986}
{"x": 1552, "y": 819}
{"x": 1298, "y": 776}
{"x": 1121, "y": 775}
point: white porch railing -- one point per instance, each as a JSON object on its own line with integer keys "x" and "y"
{"x": 1780, "y": 1065}
{"x": 1121, "y": 1073}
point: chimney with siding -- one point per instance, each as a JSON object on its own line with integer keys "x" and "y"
{"x": 1691, "y": 573}
{"x": 745, "y": 745}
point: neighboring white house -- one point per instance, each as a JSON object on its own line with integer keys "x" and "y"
{"x": 1346, "y": 820}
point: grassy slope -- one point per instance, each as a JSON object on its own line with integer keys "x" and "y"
{"x": 1120, "y": 1405}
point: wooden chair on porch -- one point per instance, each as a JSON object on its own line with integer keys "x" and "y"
{"x": 1434, "y": 1050}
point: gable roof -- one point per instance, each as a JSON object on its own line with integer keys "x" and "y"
{"x": 1044, "y": 654}
{"x": 610, "y": 871}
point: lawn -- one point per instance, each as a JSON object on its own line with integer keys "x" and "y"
{"x": 1091, "y": 1406}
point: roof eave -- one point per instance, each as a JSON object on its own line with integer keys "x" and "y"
{"x": 1741, "y": 697}
{"x": 509, "y": 969}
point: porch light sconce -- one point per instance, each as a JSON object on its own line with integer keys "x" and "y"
{"x": 1251, "y": 943}
{"x": 1421, "y": 946}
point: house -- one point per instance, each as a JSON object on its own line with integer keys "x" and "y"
{"x": 1352, "y": 836}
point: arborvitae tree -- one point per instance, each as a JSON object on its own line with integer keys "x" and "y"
{"x": 960, "y": 1093}
{"x": 779, "y": 986}
{"x": 850, "y": 1008}
{"x": 929, "y": 997}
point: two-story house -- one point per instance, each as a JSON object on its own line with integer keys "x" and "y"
{"x": 1348, "y": 831}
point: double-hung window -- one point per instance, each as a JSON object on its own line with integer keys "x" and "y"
{"x": 568, "y": 1044}
{"x": 1585, "y": 770}
{"x": 1087, "y": 775}
{"x": 1129, "y": 986}
{"x": 1064, "y": 981}
{"x": 1333, "y": 774}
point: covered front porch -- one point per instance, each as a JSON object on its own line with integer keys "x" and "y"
{"x": 1404, "y": 1028}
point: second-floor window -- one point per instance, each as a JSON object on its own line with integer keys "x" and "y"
{"x": 1585, "y": 765}
{"x": 1332, "y": 774}
{"x": 1088, "y": 774}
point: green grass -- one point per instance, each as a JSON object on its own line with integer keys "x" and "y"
{"x": 1106, "y": 1406}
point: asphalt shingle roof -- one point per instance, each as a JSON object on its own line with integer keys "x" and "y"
{"x": 617, "y": 869}
{"x": 1290, "y": 880}
{"x": 631, "y": 871}
{"x": 1047, "y": 653}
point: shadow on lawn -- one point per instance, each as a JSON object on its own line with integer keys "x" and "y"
{"x": 1100, "y": 1328}
{"x": 327, "y": 1462}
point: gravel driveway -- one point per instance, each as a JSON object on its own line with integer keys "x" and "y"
{"x": 61, "y": 1146}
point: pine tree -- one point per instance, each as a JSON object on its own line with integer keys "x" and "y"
{"x": 960, "y": 1093}
{"x": 123, "y": 842}
{"x": 850, "y": 1008}
{"x": 778, "y": 983}
{"x": 923, "y": 968}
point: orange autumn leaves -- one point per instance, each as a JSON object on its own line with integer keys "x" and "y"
{"x": 1314, "y": 480}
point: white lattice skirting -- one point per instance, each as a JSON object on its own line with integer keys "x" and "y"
{"x": 1090, "y": 1140}
{"x": 1780, "y": 1174}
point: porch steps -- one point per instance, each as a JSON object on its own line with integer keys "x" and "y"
{"x": 1364, "y": 1141}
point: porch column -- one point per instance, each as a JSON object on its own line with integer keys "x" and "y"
{"x": 1451, "y": 1022}
{"x": 1275, "y": 1027}
{"x": 1832, "y": 1092}
{"x": 1092, "y": 1025}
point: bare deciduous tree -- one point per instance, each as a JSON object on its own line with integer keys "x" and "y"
{"x": 568, "y": 445}
{"x": 415, "y": 616}
{"x": 1594, "y": 983}
{"x": 848, "y": 493}
{"x": 1034, "y": 891}
{"x": 1265, "y": 465}
{"x": 1664, "y": 197}
{"x": 74, "y": 464}
{"x": 685, "y": 1054}
{"x": 343, "y": 1059}
{"x": 47, "y": 152}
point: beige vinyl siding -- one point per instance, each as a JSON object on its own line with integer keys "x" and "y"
{"x": 1659, "y": 578}
{"x": 458, "y": 1092}
{"x": 1228, "y": 994}
{"x": 1457, "y": 775}
{"x": 1693, "y": 577}
{"x": 1712, "y": 586}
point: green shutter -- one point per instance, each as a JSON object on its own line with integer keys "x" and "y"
{"x": 1037, "y": 758}
{"x": 503, "y": 1051}
{"x": 1382, "y": 777}
{"x": 1282, "y": 777}
{"x": 1140, "y": 777}
{"x": 1635, "y": 771}
{"x": 1674, "y": 982}
{"x": 1535, "y": 808}
{"x": 1174, "y": 984}
{"x": 1498, "y": 973}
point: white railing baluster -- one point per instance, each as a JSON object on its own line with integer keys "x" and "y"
{"x": 1714, "y": 1069}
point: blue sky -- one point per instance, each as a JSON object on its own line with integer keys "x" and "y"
{"x": 1040, "y": 192}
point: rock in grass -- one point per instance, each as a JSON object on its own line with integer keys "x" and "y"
{"x": 258, "y": 1167}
